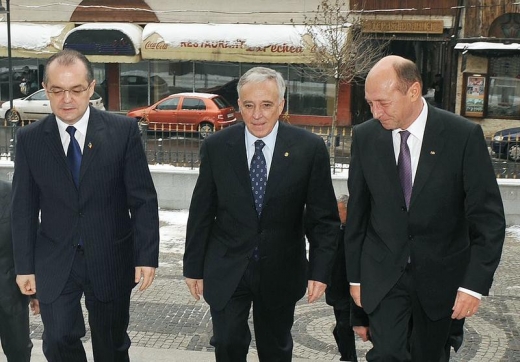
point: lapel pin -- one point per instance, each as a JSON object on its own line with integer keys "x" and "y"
{"x": 286, "y": 154}
{"x": 432, "y": 152}
{"x": 90, "y": 145}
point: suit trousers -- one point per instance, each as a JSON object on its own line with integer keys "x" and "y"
{"x": 390, "y": 327}
{"x": 14, "y": 332}
{"x": 272, "y": 327}
{"x": 64, "y": 324}
{"x": 344, "y": 335}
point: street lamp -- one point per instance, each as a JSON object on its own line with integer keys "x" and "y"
{"x": 7, "y": 11}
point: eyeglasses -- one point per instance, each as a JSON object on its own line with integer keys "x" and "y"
{"x": 74, "y": 92}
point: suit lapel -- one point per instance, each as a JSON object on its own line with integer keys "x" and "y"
{"x": 93, "y": 141}
{"x": 238, "y": 159}
{"x": 385, "y": 153}
{"x": 53, "y": 141}
{"x": 281, "y": 162}
{"x": 432, "y": 146}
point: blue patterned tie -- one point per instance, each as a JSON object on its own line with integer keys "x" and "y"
{"x": 258, "y": 174}
{"x": 74, "y": 155}
{"x": 404, "y": 165}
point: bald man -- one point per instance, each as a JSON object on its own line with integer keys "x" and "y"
{"x": 426, "y": 225}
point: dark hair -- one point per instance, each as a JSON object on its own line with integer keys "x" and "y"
{"x": 407, "y": 74}
{"x": 69, "y": 57}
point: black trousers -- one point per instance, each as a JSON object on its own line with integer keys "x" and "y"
{"x": 14, "y": 331}
{"x": 64, "y": 324}
{"x": 344, "y": 335}
{"x": 272, "y": 327}
{"x": 390, "y": 328}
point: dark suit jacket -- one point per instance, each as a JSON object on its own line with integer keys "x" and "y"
{"x": 223, "y": 227}
{"x": 11, "y": 300}
{"x": 114, "y": 211}
{"x": 454, "y": 229}
{"x": 337, "y": 293}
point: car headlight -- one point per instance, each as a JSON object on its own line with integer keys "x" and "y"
{"x": 498, "y": 138}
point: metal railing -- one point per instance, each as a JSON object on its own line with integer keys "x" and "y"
{"x": 179, "y": 145}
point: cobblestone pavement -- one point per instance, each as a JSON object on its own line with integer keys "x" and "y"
{"x": 167, "y": 317}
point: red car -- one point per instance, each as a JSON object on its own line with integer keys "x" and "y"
{"x": 187, "y": 112}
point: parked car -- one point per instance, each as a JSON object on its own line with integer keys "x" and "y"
{"x": 506, "y": 143}
{"x": 36, "y": 106}
{"x": 187, "y": 112}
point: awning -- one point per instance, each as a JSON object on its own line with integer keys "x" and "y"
{"x": 225, "y": 42}
{"x": 106, "y": 42}
{"x": 488, "y": 46}
{"x": 30, "y": 40}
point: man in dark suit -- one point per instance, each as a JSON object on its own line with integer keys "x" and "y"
{"x": 14, "y": 311}
{"x": 245, "y": 238}
{"x": 423, "y": 239}
{"x": 91, "y": 187}
{"x": 337, "y": 294}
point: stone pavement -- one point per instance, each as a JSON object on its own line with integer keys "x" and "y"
{"x": 166, "y": 324}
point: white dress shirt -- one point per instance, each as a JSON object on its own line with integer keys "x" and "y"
{"x": 268, "y": 150}
{"x": 81, "y": 131}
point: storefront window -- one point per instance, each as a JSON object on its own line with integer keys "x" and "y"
{"x": 504, "y": 87}
{"x": 25, "y": 72}
{"x": 147, "y": 82}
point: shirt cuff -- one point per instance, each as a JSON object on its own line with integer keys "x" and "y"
{"x": 355, "y": 284}
{"x": 470, "y": 292}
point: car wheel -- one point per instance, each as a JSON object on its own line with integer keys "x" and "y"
{"x": 205, "y": 129}
{"x": 12, "y": 116}
{"x": 514, "y": 152}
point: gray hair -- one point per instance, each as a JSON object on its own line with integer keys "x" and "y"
{"x": 261, "y": 74}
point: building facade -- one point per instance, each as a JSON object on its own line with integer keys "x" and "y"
{"x": 143, "y": 50}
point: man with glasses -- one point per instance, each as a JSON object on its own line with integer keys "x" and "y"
{"x": 83, "y": 174}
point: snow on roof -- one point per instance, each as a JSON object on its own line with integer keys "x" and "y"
{"x": 133, "y": 31}
{"x": 254, "y": 35}
{"x": 31, "y": 36}
{"x": 483, "y": 45}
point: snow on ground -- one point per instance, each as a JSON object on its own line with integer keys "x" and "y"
{"x": 173, "y": 231}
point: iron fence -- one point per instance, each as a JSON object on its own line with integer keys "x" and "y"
{"x": 180, "y": 145}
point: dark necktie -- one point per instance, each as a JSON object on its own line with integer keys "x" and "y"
{"x": 258, "y": 174}
{"x": 404, "y": 165}
{"x": 74, "y": 155}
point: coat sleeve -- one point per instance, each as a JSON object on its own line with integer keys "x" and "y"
{"x": 358, "y": 213}
{"x": 142, "y": 201}
{"x": 201, "y": 217}
{"x": 24, "y": 211}
{"x": 485, "y": 214}
{"x": 322, "y": 219}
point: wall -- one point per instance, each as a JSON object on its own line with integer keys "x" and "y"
{"x": 175, "y": 187}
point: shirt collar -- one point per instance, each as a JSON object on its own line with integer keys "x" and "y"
{"x": 269, "y": 140}
{"x": 80, "y": 125}
{"x": 418, "y": 126}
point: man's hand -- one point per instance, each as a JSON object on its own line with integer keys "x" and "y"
{"x": 196, "y": 287}
{"x": 26, "y": 283}
{"x": 355, "y": 292}
{"x": 35, "y": 306}
{"x": 315, "y": 290}
{"x": 147, "y": 273}
{"x": 465, "y": 306}
{"x": 362, "y": 332}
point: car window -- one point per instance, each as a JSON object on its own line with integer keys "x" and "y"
{"x": 193, "y": 104}
{"x": 169, "y": 104}
{"x": 221, "y": 102}
{"x": 38, "y": 96}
